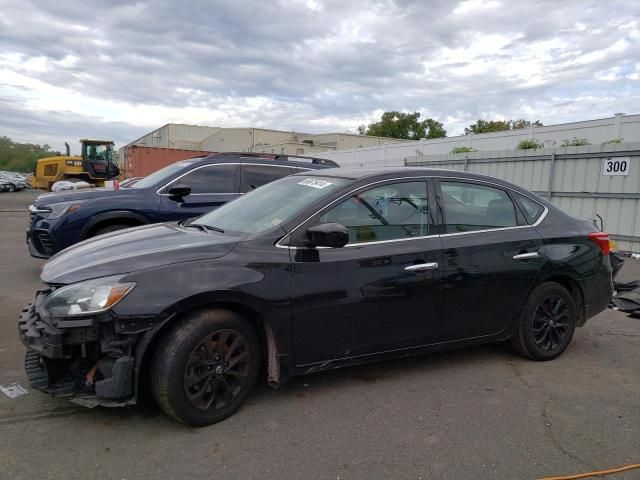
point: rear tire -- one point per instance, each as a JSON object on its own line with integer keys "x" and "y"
{"x": 12, "y": 187}
{"x": 203, "y": 369}
{"x": 547, "y": 324}
{"x": 110, "y": 228}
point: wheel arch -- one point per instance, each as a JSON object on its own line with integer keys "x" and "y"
{"x": 248, "y": 308}
{"x": 574, "y": 288}
{"x": 102, "y": 220}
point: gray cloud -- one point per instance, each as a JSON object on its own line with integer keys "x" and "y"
{"x": 320, "y": 65}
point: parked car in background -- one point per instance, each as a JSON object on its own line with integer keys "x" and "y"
{"x": 15, "y": 183}
{"x": 314, "y": 271}
{"x": 18, "y": 175}
{"x": 181, "y": 190}
{"x": 4, "y": 186}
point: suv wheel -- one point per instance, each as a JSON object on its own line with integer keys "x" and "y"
{"x": 110, "y": 228}
{"x": 203, "y": 369}
{"x": 547, "y": 324}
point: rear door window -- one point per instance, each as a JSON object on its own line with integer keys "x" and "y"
{"x": 389, "y": 212}
{"x": 254, "y": 176}
{"x": 210, "y": 179}
{"x": 469, "y": 207}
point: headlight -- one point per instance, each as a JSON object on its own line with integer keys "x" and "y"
{"x": 93, "y": 296}
{"x": 62, "y": 208}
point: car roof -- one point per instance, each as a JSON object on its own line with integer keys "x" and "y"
{"x": 264, "y": 158}
{"x": 382, "y": 173}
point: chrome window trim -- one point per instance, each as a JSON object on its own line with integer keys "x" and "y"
{"x": 540, "y": 219}
{"x": 215, "y": 165}
{"x": 486, "y": 230}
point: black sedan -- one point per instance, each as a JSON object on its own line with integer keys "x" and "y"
{"x": 314, "y": 271}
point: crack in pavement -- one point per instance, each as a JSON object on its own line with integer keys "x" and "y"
{"x": 556, "y": 441}
{"x": 62, "y": 412}
{"x": 518, "y": 374}
{"x": 629, "y": 335}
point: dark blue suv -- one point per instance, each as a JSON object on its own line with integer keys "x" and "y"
{"x": 181, "y": 190}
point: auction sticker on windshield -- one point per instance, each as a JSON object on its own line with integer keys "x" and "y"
{"x": 314, "y": 183}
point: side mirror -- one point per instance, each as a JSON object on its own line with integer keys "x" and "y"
{"x": 179, "y": 190}
{"x": 332, "y": 235}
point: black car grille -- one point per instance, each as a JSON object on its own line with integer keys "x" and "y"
{"x": 46, "y": 242}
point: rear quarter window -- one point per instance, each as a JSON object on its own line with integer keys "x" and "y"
{"x": 530, "y": 208}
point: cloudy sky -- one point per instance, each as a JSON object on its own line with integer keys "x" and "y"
{"x": 119, "y": 69}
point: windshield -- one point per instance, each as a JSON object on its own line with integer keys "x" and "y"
{"x": 161, "y": 176}
{"x": 98, "y": 153}
{"x": 271, "y": 205}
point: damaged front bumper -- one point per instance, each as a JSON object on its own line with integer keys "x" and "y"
{"x": 84, "y": 358}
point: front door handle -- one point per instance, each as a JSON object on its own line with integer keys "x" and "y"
{"x": 420, "y": 267}
{"x": 526, "y": 256}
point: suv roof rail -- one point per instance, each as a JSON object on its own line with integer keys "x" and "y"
{"x": 281, "y": 157}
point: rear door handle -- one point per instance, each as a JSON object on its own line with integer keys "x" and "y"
{"x": 421, "y": 267}
{"x": 526, "y": 256}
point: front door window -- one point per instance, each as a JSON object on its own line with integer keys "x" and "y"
{"x": 390, "y": 212}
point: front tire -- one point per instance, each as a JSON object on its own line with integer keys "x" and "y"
{"x": 12, "y": 187}
{"x": 203, "y": 370}
{"x": 547, "y": 324}
{"x": 110, "y": 228}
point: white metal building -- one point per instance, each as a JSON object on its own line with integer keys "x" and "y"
{"x": 217, "y": 139}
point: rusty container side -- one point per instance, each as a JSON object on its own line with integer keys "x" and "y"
{"x": 140, "y": 161}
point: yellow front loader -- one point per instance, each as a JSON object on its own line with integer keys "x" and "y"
{"x": 96, "y": 165}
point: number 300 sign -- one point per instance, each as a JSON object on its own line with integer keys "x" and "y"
{"x": 615, "y": 165}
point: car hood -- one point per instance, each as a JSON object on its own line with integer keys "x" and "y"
{"x": 134, "y": 249}
{"x": 80, "y": 194}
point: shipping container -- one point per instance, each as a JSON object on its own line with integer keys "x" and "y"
{"x": 141, "y": 161}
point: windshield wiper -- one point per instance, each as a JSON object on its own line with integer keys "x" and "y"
{"x": 194, "y": 225}
{"x": 203, "y": 226}
{"x": 200, "y": 226}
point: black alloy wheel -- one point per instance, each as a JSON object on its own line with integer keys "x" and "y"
{"x": 547, "y": 324}
{"x": 204, "y": 367}
{"x": 217, "y": 370}
{"x": 551, "y": 323}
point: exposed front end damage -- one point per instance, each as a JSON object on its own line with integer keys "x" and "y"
{"x": 91, "y": 359}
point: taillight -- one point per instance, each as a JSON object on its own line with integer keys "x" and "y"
{"x": 602, "y": 240}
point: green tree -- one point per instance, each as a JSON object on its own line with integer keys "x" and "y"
{"x": 487, "y": 126}
{"x": 404, "y": 125}
{"x": 21, "y": 157}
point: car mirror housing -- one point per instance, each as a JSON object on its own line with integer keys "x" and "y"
{"x": 332, "y": 235}
{"x": 179, "y": 190}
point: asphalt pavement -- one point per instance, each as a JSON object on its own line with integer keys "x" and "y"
{"x": 473, "y": 413}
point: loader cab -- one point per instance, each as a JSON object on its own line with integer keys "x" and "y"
{"x": 98, "y": 159}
